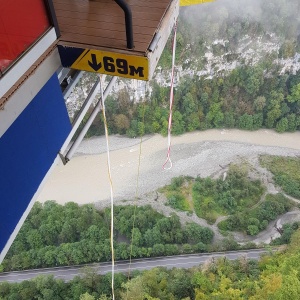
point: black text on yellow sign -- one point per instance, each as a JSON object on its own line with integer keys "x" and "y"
{"x": 112, "y": 64}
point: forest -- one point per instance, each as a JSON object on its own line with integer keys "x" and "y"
{"x": 244, "y": 99}
{"x": 60, "y": 235}
{"x": 238, "y": 199}
{"x": 56, "y": 235}
{"x": 274, "y": 276}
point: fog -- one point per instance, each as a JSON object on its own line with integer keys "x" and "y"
{"x": 277, "y": 16}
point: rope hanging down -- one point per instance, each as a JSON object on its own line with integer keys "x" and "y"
{"x": 111, "y": 193}
{"x": 168, "y": 160}
{"x": 136, "y": 191}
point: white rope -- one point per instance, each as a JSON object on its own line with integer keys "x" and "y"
{"x": 137, "y": 186}
{"x": 111, "y": 192}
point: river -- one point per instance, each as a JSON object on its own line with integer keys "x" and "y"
{"x": 85, "y": 178}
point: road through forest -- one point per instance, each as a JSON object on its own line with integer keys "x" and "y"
{"x": 178, "y": 261}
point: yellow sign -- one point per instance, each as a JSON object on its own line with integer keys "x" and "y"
{"x": 192, "y": 2}
{"x": 114, "y": 64}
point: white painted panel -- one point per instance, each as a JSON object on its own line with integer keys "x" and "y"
{"x": 163, "y": 34}
{"x": 24, "y": 95}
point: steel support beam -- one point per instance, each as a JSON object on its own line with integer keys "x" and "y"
{"x": 96, "y": 110}
{"x": 68, "y": 90}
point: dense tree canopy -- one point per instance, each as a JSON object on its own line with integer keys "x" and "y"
{"x": 211, "y": 103}
{"x": 71, "y": 234}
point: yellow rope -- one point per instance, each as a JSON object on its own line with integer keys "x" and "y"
{"x": 111, "y": 193}
{"x": 136, "y": 193}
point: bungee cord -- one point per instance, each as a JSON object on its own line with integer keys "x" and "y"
{"x": 136, "y": 194}
{"x": 111, "y": 191}
{"x": 168, "y": 160}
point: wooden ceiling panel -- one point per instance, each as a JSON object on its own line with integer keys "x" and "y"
{"x": 101, "y": 22}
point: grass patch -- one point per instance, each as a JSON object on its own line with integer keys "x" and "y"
{"x": 252, "y": 221}
{"x": 178, "y": 193}
{"x": 213, "y": 198}
{"x": 206, "y": 208}
{"x": 177, "y": 201}
{"x": 286, "y": 172}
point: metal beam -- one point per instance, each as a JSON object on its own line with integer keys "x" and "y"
{"x": 96, "y": 110}
{"x": 71, "y": 85}
{"x": 79, "y": 117}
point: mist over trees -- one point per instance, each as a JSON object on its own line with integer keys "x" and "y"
{"x": 232, "y": 20}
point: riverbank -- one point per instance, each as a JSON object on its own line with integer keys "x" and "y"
{"x": 84, "y": 179}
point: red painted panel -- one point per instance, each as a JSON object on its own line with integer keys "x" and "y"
{"x": 22, "y": 22}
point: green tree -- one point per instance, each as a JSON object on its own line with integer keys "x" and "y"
{"x": 158, "y": 250}
{"x": 252, "y": 230}
{"x": 257, "y": 121}
{"x": 274, "y": 111}
{"x": 50, "y": 288}
{"x": 90, "y": 278}
{"x": 122, "y": 251}
{"x": 188, "y": 105}
{"x": 294, "y": 97}
{"x": 133, "y": 289}
{"x": 282, "y": 125}
{"x": 229, "y": 119}
{"x": 246, "y": 122}
{"x": 196, "y": 233}
{"x": 193, "y": 123}
{"x": 152, "y": 237}
{"x": 34, "y": 239}
{"x": 259, "y": 103}
{"x": 215, "y": 115}
{"x": 292, "y": 123}
{"x": 137, "y": 238}
{"x": 178, "y": 126}
{"x": 136, "y": 129}
{"x": 86, "y": 296}
{"x": 290, "y": 287}
{"x": 287, "y": 49}
{"x": 179, "y": 284}
{"x": 121, "y": 122}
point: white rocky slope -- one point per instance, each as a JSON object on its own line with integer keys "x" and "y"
{"x": 249, "y": 51}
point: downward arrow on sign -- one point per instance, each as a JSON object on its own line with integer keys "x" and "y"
{"x": 93, "y": 64}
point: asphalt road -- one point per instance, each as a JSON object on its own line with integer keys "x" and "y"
{"x": 179, "y": 261}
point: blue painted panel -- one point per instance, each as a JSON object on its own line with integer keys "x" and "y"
{"x": 68, "y": 55}
{"x": 27, "y": 151}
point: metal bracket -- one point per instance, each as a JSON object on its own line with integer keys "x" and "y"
{"x": 128, "y": 22}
